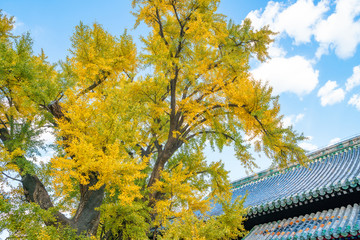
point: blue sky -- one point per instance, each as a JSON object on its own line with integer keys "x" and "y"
{"x": 314, "y": 65}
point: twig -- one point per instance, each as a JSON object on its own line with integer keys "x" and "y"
{"x": 10, "y": 177}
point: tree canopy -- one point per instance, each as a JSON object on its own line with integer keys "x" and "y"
{"x": 131, "y": 127}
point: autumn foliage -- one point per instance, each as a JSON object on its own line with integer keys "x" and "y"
{"x": 131, "y": 127}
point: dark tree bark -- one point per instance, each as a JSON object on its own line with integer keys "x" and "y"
{"x": 172, "y": 145}
{"x": 87, "y": 219}
{"x": 34, "y": 191}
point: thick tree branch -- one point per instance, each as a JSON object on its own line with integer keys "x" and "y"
{"x": 257, "y": 119}
{"x": 173, "y": 84}
{"x": 4, "y": 134}
{"x": 103, "y": 76}
{"x": 161, "y": 30}
{"x": 171, "y": 146}
{"x": 35, "y": 192}
{"x": 87, "y": 216}
{"x": 187, "y": 129}
{"x": 176, "y": 14}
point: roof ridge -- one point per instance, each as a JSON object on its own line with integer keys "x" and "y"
{"x": 313, "y": 156}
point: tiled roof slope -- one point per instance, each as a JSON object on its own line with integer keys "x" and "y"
{"x": 336, "y": 169}
{"x": 323, "y": 152}
{"x": 338, "y": 223}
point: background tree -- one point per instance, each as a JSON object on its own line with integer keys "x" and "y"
{"x": 132, "y": 127}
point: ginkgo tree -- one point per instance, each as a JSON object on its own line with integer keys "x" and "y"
{"x": 131, "y": 127}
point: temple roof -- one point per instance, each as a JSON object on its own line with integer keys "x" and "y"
{"x": 330, "y": 170}
{"x": 335, "y": 223}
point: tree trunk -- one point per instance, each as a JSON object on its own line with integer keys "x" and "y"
{"x": 170, "y": 148}
{"x": 87, "y": 218}
{"x": 35, "y": 192}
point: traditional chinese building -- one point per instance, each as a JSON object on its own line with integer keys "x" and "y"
{"x": 317, "y": 201}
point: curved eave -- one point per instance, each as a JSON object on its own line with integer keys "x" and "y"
{"x": 341, "y": 187}
{"x": 335, "y": 174}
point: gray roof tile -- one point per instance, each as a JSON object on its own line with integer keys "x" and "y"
{"x": 321, "y": 176}
{"x": 334, "y": 223}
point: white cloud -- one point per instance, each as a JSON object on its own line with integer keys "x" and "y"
{"x": 287, "y": 121}
{"x": 292, "y": 119}
{"x": 275, "y": 51}
{"x": 355, "y": 100}
{"x": 291, "y": 19}
{"x": 309, "y": 138}
{"x": 300, "y": 19}
{"x": 45, "y": 157}
{"x": 329, "y": 94}
{"x": 308, "y": 146}
{"x": 299, "y": 117}
{"x": 340, "y": 31}
{"x": 48, "y": 137}
{"x": 4, "y": 234}
{"x": 7, "y": 186}
{"x": 259, "y": 19}
{"x": 354, "y": 80}
{"x": 334, "y": 140}
{"x": 294, "y": 74}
